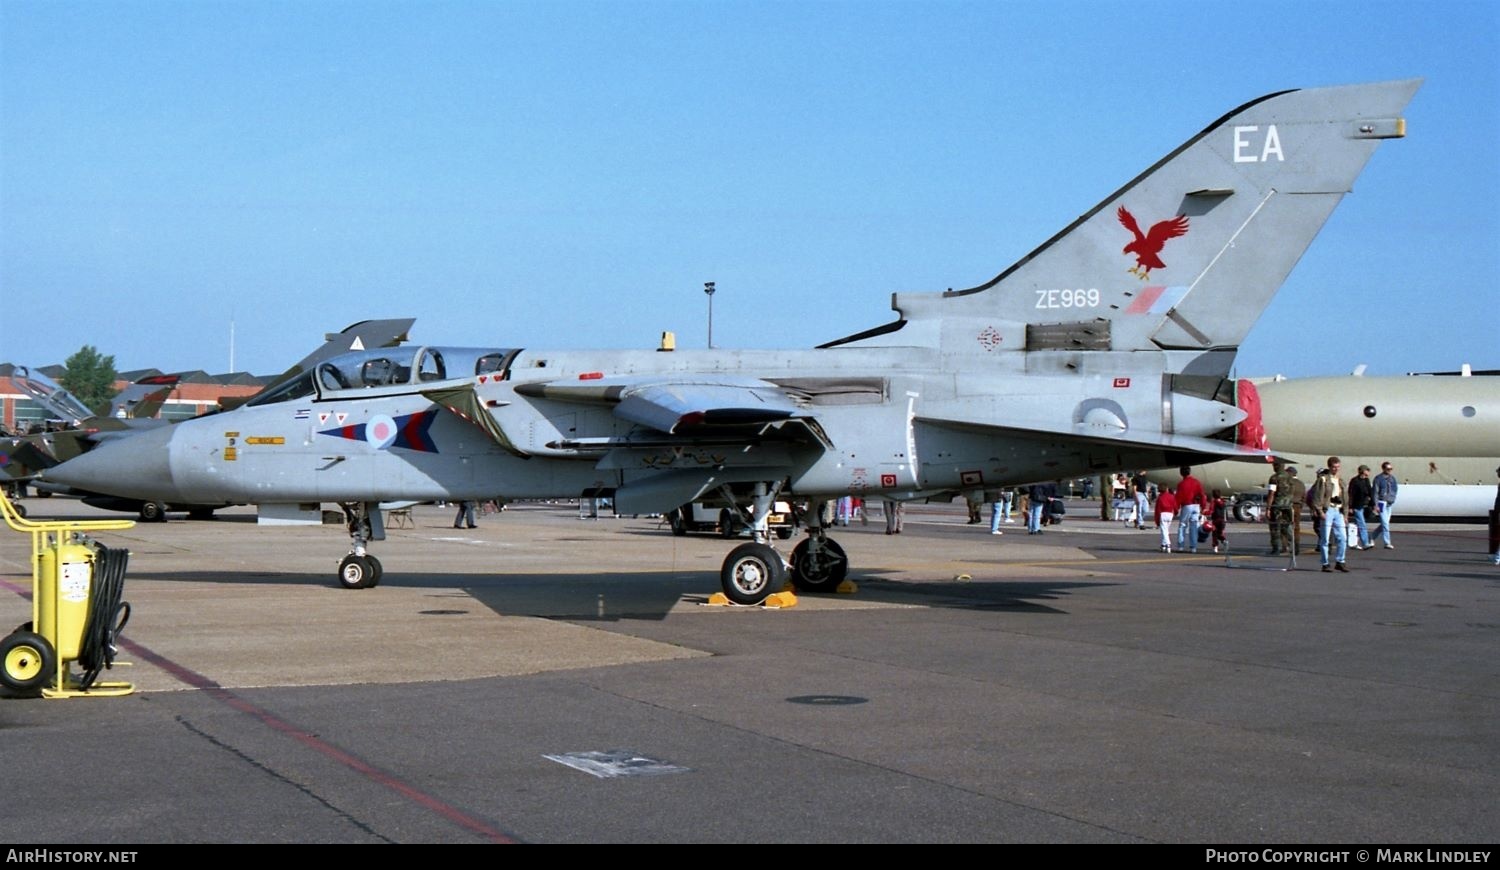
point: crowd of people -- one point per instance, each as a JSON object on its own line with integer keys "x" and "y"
{"x": 1337, "y": 509}
{"x": 1346, "y": 513}
{"x": 1200, "y": 516}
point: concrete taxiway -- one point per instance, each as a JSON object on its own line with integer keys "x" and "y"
{"x": 1077, "y": 686}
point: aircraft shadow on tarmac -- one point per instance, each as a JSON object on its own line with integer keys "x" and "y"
{"x": 1492, "y": 575}
{"x": 1013, "y": 595}
{"x": 35, "y": 513}
{"x": 605, "y": 596}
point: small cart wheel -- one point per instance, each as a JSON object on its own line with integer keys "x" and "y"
{"x": 27, "y": 661}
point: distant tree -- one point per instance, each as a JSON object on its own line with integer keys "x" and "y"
{"x": 89, "y": 376}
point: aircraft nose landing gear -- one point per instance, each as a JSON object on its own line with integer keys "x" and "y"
{"x": 359, "y": 572}
{"x": 359, "y": 569}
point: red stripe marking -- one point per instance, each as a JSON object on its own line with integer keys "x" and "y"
{"x": 199, "y": 681}
{"x": 412, "y": 432}
{"x": 1143, "y": 302}
{"x": 276, "y": 723}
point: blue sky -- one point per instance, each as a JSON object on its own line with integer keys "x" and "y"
{"x": 567, "y": 174}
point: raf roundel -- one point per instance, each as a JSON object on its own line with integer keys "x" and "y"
{"x": 381, "y": 432}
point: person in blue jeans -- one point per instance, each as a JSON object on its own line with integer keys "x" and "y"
{"x": 1385, "y": 499}
{"x": 1361, "y": 496}
{"x": 1040, "y": 494}
{"x": 1190, "y": 503}
{"x": 1329, "y": 499}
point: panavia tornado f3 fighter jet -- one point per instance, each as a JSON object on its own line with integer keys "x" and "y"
{"x": 1109, "y": 346}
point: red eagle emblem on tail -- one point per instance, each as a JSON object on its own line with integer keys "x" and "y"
{"x": 1147, "y": 247}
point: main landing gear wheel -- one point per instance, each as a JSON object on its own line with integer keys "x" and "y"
{"x": 359, "y": 572}
{"x": 1248, "y": 511}
{"x": 822, "y": 572}
{"x": 153, "y": 512}
{"x": 677, "y": 522}
{"x": 752, "y": 573}
{"x": 27, "y": 662}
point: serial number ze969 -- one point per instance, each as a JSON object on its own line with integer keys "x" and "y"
{"x": 1067, "y": 298}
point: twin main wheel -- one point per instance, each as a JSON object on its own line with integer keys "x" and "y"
{"x": 753, "y": 572}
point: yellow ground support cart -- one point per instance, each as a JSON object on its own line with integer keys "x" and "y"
{"x": 76, "y": 611}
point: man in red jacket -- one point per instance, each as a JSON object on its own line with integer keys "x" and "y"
{"x": 1190, "y": 503}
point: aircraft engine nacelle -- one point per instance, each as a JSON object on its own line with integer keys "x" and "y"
{"x": 1203, "y": 407}
{"x": 1192, "y": 415}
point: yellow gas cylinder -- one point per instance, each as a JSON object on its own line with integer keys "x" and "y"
{"x": 64, "y": 577}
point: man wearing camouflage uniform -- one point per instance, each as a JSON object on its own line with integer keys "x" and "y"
{"x": 1288, "y": 493}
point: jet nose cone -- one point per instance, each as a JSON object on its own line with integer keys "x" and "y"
{"x": 138, "y": 465}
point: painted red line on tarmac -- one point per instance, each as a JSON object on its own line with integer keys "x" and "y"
{"x": 406, "y": 790}
{"x": 199, "y": 681}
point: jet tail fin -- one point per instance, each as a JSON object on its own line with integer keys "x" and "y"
{"x": 142, "y": 399}
{"x": 1188, "y": 254}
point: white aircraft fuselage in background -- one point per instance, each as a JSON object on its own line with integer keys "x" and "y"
{"x": 1441, "y": 434}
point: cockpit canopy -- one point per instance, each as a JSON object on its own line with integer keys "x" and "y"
{"x": 46, "y": 392}
{"x": 391, "y": 369}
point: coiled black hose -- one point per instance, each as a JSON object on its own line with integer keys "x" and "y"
{"x": 107, "y": 614}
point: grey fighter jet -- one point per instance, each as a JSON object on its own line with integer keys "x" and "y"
{"x": 75, "y": 429}
{"x": 1109, "y": 346}
{"x": 71, "y": 427}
